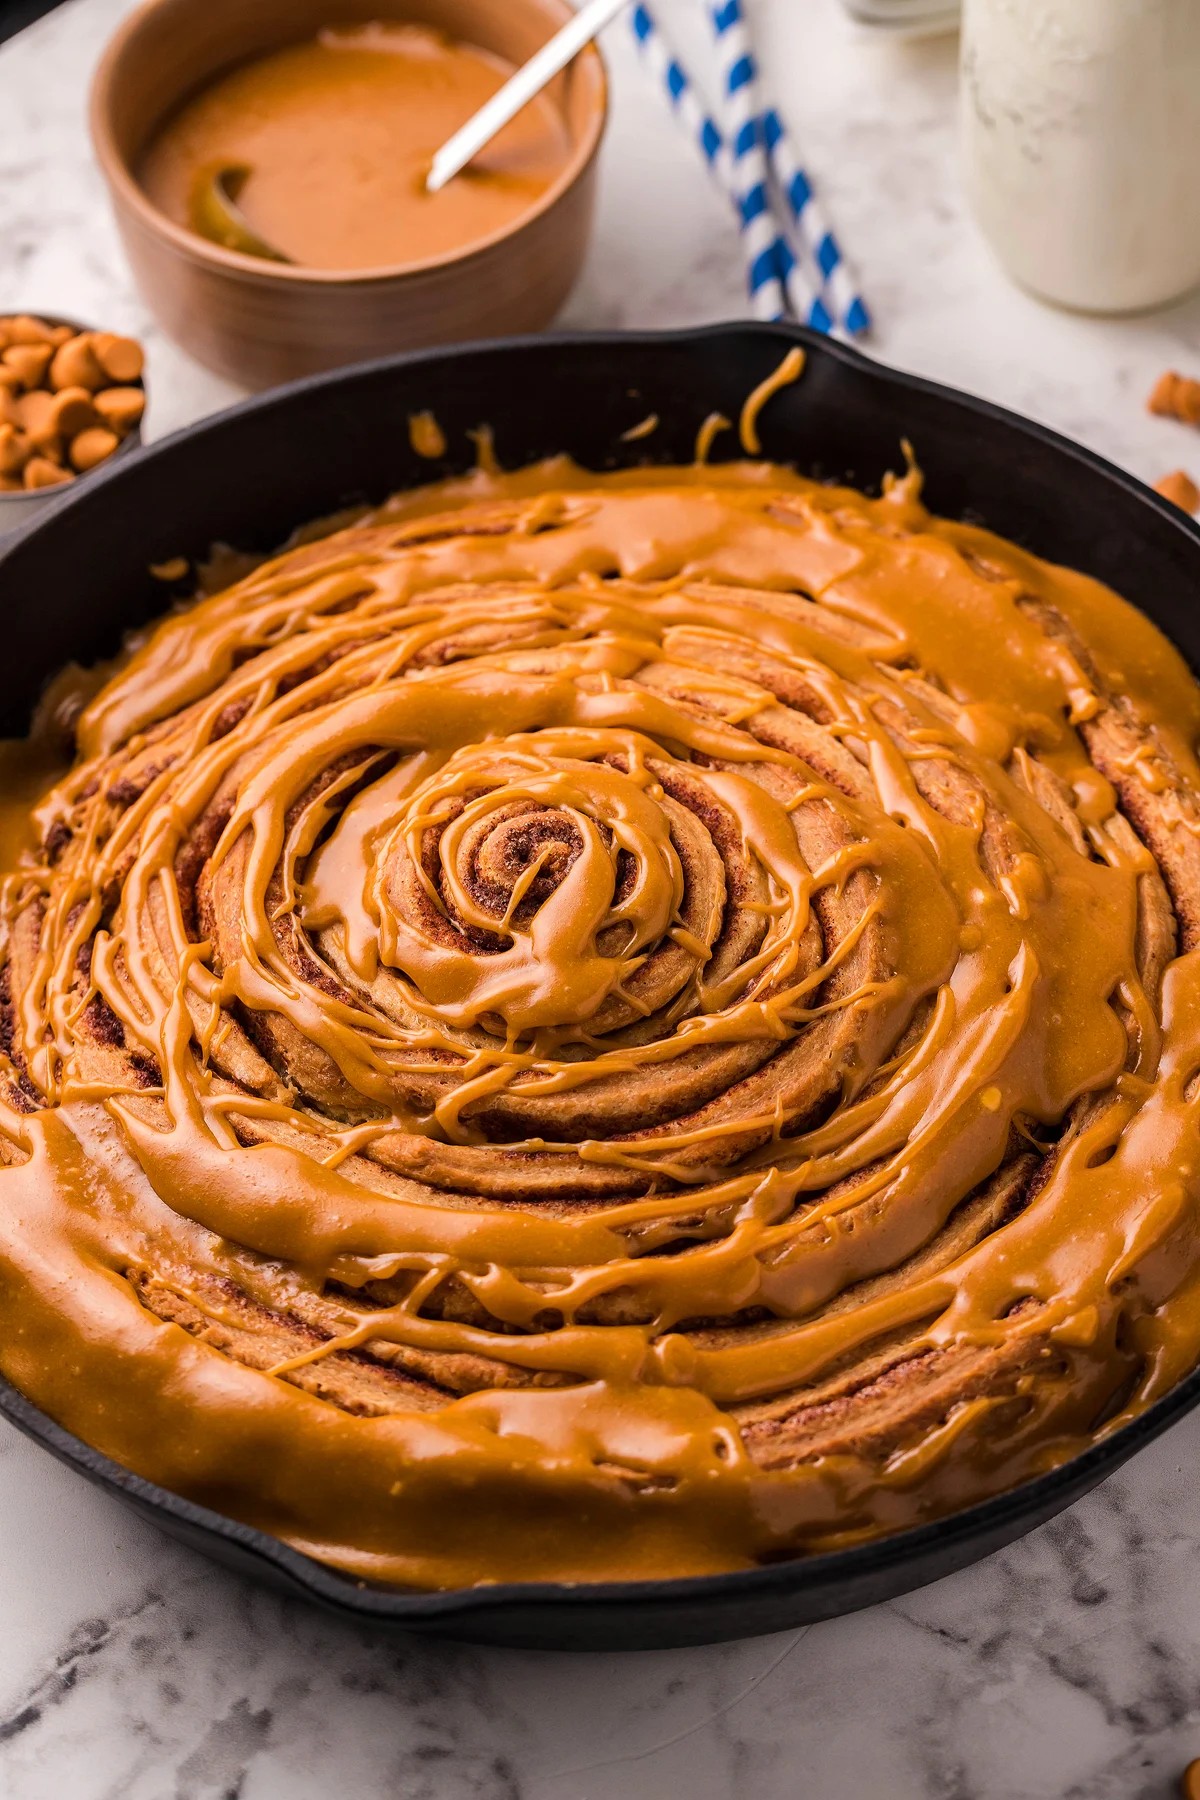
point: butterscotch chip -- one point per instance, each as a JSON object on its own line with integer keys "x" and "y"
{"x": 1176, "y": 397}
{"x": 25, "y": 329}
{"x": 14, "y": 450}
{"x": 92, "y": 446}
{"x": 28, "y": 361}
{"x": 120, "y": 357}
{"x": 73, "y": 410}
{"x": 1179, "y": 487}
{"x": 75, "y": 365}
{"x": 40, "y": 472}
{"x": 121, "y": 407}
{"x": 35, "y": 414}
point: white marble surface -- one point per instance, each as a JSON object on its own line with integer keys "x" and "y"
{"x": 1068, "y": 1666}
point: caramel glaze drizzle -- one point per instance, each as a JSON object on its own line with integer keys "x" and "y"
{"x": 685, "y": 982}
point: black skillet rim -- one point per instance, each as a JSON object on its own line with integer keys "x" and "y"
{"x": 999, "y": 1517}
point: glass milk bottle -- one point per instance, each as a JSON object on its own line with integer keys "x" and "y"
{"x": 1081, "y": 136}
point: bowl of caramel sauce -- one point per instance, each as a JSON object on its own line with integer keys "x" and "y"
{"x": 328, "y": 114}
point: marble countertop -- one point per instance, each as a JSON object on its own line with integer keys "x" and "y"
{"x": 1068, "y": 1665}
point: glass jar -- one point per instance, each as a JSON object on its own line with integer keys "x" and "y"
{"x": 1081, "y": 135}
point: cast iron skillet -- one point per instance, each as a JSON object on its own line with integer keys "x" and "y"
{"x": 78, "y": 576}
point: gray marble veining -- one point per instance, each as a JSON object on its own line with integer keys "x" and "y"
{"x": 1066, "y": 1668}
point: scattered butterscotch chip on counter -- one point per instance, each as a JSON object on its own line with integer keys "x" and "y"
{"x": 1179, "y": 487}
{"x": 1176, "y": 397}
{"x": 67, "y": 400}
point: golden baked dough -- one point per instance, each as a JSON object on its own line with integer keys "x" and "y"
{"x": 611, "y": 1026}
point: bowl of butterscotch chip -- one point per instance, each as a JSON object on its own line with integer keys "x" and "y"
{"x": 70, "y": 399}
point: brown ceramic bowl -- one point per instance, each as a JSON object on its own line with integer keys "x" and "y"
{"x": 260, "y": 322}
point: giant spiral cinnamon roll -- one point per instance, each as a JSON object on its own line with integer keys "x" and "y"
{"x": 611, "y": 1026}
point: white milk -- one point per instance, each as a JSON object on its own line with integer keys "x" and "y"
{"x": 1081, "y": 129}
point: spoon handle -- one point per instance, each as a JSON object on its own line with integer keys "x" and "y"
{"x": 520, "y": 89}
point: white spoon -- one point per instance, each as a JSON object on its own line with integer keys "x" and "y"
{"x": 519, "y": 90}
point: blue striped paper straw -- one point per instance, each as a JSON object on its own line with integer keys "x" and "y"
{"x": 815, "y": 233}
{"x": 751, "y": 170}
{"x": 763, "y": 266}
{"x": 669, "y": 72}
{"x": 707, "y": 135}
